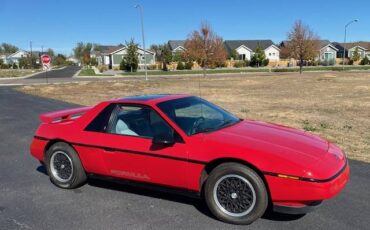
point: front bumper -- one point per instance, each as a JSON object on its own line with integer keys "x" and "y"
{"x": 296, "y": 210}
{"x": 300, "y": 194}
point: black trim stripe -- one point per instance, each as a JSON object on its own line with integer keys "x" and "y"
{"x": 310, "y": 179}
{"x": 41, "y": 138}
{"x": 131, "y": 151}
{"x": 148, "y": 185}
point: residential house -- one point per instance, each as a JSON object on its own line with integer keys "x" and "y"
{"x": 113, "y": 55}
{"x": 176, "y": 46}
{"x": 327, "y": 52}
{"x": 14, "y": 57}
{"x": 246, "y": 48}
{"x": 362, "y": 48}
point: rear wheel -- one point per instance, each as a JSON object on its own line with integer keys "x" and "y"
{"x": 64, "y": 166}
{"x": 236, "y": 194}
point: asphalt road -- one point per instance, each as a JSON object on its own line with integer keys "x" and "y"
{"x": 52, "y": 76}
{"x": 67, "y": 72}
{"x": 29, "y": 201}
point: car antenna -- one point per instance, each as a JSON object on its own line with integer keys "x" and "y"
{"x": 200, "y": 92}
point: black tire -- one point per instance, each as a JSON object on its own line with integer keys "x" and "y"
{"x": 69, "y": 174}
{"x": 245, "y": 199}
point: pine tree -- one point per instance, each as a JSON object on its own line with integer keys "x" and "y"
{"x": 356, "y": 55}
{"x": 259, "y": 58}
{"x": 131, "y": 60}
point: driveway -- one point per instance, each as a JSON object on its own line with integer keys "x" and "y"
{"x": 29, "y": 201}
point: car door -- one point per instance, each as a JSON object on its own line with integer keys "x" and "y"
{"x": 131, "y": 154}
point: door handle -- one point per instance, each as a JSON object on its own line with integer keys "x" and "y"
{"x": 108, "y": 149}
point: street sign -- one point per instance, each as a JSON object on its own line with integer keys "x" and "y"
{"x": 45, "y": 60}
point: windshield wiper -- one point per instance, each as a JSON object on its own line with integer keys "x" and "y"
{"x": 227, "y": 123}
{"x": 206, "y": 130}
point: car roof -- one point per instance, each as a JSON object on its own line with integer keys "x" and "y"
{"x": 150, "y": 98}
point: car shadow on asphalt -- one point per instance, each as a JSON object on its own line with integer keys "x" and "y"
{"x": 199, "y": 204}
{"x": 42, "y": 169}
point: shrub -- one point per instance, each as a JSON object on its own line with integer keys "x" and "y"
{"x": 4, "y": 66}
{"x": 266, "y": 62}
{"x": 102, "y": 68}
{"x": 151, "y": 67}
{"x": 328, "y": 62}
{"x": 15, "y": 66}
{"x": 239, "y": 64}
{"x": 364, "y": 61}
{"x": 220, "y": 65}
{"x": 122, "y": 65}
{"x": 350, "y": 62}
{"x": 180, "y": 66}
{"x": 189, "y": 65}
{"x": 93, "y": 62}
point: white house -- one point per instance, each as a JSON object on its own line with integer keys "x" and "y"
{"x": 246, "y": 48}
{"x": 361, "y": 50}
{"x": 113, "y": 55}
{"x": 327, "y": 52}
{"x": 14, "y": 57}
{"x": 176, "y": 46}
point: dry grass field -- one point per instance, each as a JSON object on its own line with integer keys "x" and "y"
{"x": 333, "y": 105}
{"x": 16, "y": 72}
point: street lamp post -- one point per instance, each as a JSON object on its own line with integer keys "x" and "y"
{"x": 143, "y": 36}
{"x": 345, "y": 38}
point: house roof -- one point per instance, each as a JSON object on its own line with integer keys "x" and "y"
{"x": 349, "y": 45}
{"x": 109, "y": 49}
{"x": 173, "y": 44}
{"x": 322, "y": 43}
{"x": 18, "y": 51}
{"x": 251, "y": 44}
{"x": 106, "y": 50}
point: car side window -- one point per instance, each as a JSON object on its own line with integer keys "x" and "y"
{"x": 134, "y": 120}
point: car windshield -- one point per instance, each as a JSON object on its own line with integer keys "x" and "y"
{"x": 195, "y": 115}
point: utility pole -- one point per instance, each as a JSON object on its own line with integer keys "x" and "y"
{"x": 143, "y": 36}
{"x": 31, "y": 54}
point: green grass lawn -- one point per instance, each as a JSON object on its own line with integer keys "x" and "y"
{"x": 87, "y": 72}
{"x": 90, "y": 72}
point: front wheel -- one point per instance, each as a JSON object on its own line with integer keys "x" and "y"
{"x": 64, "y": 166}
{"x": 236, "y": 194}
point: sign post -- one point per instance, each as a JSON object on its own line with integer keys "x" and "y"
{"x": 45, "y": 60}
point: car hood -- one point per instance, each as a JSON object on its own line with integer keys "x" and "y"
{"x": 291, "y": 139}
{"x": 276, "y": 148}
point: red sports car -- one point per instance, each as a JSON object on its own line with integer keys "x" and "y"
{"x": 186, "y": 143}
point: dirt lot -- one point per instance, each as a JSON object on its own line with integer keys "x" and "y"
{"x": 334, "y": 105}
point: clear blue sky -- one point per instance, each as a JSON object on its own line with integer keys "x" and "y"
{"x": 60, "y": 24}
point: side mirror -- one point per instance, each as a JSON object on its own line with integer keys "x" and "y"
{"x": 164, "y": 139}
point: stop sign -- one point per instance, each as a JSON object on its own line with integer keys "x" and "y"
{"x": 45, "y": 59}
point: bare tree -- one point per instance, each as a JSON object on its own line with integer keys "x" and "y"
{"x": 205, "y": 47}
{"x": 303, "y": 43}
